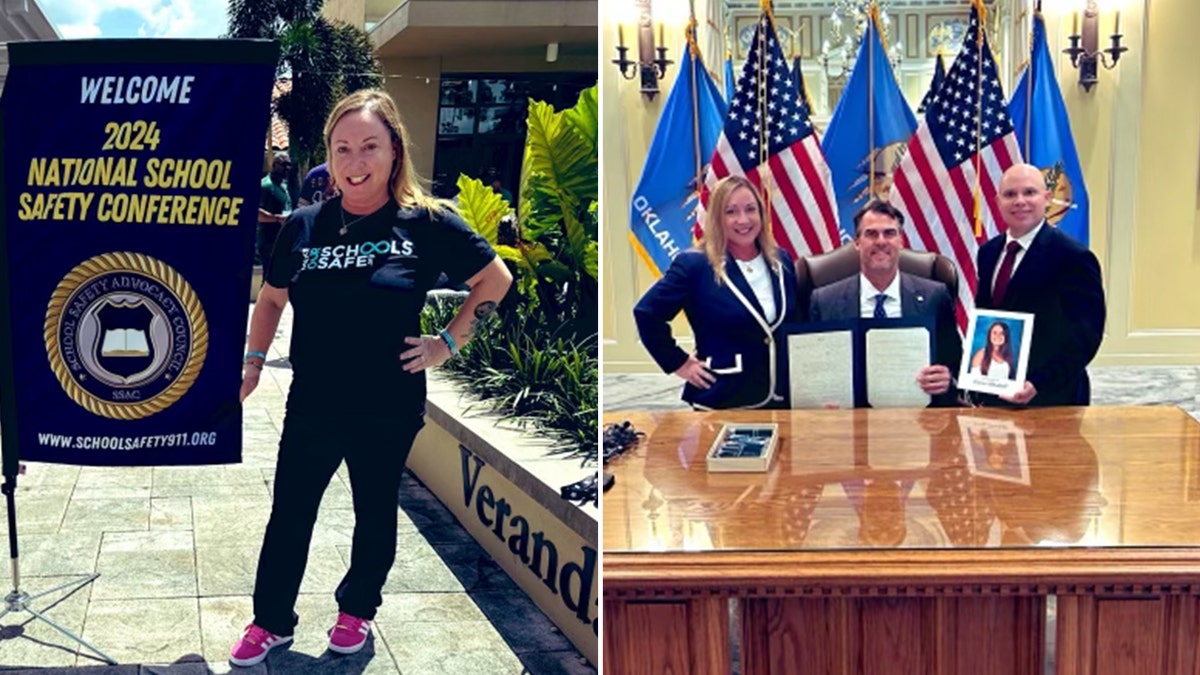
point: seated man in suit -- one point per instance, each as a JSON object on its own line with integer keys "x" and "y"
{"x": 880, "y": 290}
{"x": 1038, "y": 269}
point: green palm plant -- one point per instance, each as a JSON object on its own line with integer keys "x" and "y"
{"x": 326, "y": 61}
{"x": 554, "y": 246}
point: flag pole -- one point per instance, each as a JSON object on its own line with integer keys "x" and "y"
{"x": 764, "y": 135}
{"x": 873, "y": 28}
{"x": 1037, "y": 12}
{"x": 690, "y": 33}
{"x": 979, "y": 39}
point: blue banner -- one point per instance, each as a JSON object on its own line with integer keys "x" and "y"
{"x": 849, "y": 149}
{"x": 130, "y": 192}
{"x": 1043, "y": 130}
{"x": 664, "y": 203}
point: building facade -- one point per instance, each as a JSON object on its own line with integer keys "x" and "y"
{"x": 463, "y": 70}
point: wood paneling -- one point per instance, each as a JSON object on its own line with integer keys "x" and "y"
{"x": 1128, "y": 635}
{"x": 869, "y": 636}
{"x": 666, "y": 638}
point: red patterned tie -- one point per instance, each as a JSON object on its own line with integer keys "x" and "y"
{"x": 1005, "y": 274}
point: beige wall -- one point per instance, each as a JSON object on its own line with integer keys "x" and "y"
{"x": 352, "y": 12}
{"x": 1138, "y": 135}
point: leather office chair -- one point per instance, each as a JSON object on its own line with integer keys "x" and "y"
{"x": 822, "y": 270}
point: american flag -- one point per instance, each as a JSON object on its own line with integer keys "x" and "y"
{"x": 964, "y": 134}
{"x": 768, "y": 137}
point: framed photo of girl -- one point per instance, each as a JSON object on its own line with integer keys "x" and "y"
{"x": 996, "y": 353}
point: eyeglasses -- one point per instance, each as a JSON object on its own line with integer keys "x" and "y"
{"x": 886, "y": 233}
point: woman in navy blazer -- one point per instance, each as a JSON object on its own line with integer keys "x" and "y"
{"x": 736, "y": 289}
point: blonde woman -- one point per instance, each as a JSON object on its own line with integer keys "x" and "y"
{"x": 356, "y": 268}
{"x": 736, "y": 289}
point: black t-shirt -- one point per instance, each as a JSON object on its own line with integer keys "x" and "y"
{"x": 356, "y": 297}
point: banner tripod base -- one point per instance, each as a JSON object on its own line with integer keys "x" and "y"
{"x": 19, "y": 601}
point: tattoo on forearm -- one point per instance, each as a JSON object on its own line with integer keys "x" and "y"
{"x": 482, "y": 311}
{"x": 484, "y": 308}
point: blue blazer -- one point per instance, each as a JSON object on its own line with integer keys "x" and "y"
{"x": 732, "y": 336}
{"x": 1058, "y": 281}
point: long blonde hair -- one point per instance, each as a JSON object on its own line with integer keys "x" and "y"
{"x": 404, "y": 181}
{"x": 714, "y": 227}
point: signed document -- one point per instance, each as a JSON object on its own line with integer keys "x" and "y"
{"x": 894, "y": 356}
{"x": 821, "y": 369}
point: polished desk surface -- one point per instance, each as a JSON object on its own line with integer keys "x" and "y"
{"x": 1040, "y": 490}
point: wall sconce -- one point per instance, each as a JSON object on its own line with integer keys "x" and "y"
{"x": 1086, "y": 56}
{"x": 651, "y": 69}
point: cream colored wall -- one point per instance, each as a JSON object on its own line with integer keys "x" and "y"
{"x": 352, "y": 12}
{"x": 628, "y": 120}
{"x": 1138, "y": 135}
{"x": 405, "y": 80}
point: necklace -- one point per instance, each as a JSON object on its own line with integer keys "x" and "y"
{"x": 749, "y": 267}
{"x": 346, "y": 226}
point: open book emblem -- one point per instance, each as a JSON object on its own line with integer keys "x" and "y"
{"x": 124, "y": 348}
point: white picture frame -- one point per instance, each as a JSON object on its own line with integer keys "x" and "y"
{"x": 1009, "y": 354}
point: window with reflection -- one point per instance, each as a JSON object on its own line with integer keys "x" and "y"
{"x": 481, "y": 123}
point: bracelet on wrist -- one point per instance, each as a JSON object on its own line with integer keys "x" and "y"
{"x": 449, "y": 340}
{"x": 251, "y": 355}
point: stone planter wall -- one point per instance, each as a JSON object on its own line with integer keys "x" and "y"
{"x": 503, "y": 486}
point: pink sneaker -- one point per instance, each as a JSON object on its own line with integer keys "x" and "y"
{"x": 349, "y": 635}
{"x": 254, "y": 645}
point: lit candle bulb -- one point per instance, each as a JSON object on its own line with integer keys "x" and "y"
{"x": 1075, "y": 23}
{"x": 661, "y": 42}
{"x": 620, "y": 34}
{"x": 1117, "y": 24}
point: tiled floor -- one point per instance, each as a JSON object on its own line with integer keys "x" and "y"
{"x": 177, "y": 549}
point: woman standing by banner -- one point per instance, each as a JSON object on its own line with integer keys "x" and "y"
{"x": 356, "y": 269}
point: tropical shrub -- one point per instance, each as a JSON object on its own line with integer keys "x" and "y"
{"x": 538, "y": 361}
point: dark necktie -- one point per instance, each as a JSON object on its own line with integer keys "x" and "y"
{"x": 1005, "y": 273}
{"x": 879, "y": 311}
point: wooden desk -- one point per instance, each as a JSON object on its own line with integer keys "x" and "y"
{"x": 909, "y": 542}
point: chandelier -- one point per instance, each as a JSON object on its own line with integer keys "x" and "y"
{"x": 848, "y": 22}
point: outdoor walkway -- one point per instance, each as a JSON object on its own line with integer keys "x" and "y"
{"x": 177, "y": 549}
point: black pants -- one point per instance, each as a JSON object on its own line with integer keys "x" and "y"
{"x": 312, "y": 448}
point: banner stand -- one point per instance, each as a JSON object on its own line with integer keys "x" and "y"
{"x": 131, "y": 239}
{"x": 18, "y": 600}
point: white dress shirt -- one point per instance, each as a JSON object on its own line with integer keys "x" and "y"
{"x": 867, "y": 293}
{"x": 758, "y": 275}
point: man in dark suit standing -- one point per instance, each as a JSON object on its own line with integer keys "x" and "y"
{"x": 880, "y": 290}
{"x": 1035, "y": 268}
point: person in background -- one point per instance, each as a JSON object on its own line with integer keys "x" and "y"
{"x": 736, "y": 290}
{"x": 356, "y": 269}
{"x": 498, "y": 187}
{"x": 316, "y": 185}
{"x": 274, "y": 205}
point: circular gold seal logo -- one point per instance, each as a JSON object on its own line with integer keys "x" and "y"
{"x": 126, "y": 335}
